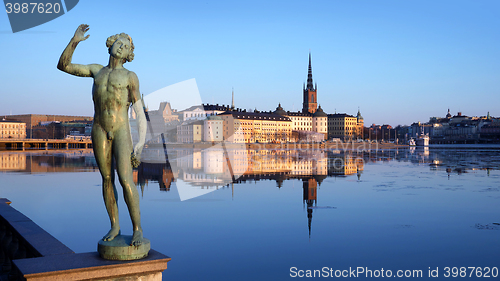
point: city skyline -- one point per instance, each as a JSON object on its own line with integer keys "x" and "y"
{"x": 399, "y": 62}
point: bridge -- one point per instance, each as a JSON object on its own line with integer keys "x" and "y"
{"x": 46, "y": 143}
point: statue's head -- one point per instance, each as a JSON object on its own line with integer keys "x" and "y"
{"x": 126, "y": 45}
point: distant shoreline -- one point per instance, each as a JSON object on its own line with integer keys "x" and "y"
{"x": 327, "y": 145}
{"x": 272, "y": 146}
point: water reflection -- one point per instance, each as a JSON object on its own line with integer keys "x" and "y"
{"x": 48, "y": 161}
{"x": 310, "y": 196}
{"x": 212, "y": 168}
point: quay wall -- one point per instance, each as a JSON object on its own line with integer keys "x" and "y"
{"x": 31, "y": 253}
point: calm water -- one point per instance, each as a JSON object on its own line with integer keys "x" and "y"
{"x": 264, "y": 212}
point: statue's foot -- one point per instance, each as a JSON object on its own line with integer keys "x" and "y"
{"x": 137, "y": 238}
{"x": 113, "y": 232}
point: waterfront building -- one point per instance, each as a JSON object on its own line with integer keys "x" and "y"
{"x": 201, "y": 123}
{"x": 320, "y": 122}
{"x": 207, "y": 130}
{"x": 190, "y": 132}
{"x": 491, "y": 132}
{"x": 343, "y": 126}
{"x": 32, "y": 120}
{"x": 62, "y": 130}
{"x": 249, "y": 127}
{"x": 12, "y": 130}
{"x": 300, "y": 121}
{"x": 463, "y": 129}
{"x": 213, "y": 129}
{"x": 306, "y": 122}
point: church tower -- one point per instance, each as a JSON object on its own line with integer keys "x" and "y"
{"x": 310, "y": 103}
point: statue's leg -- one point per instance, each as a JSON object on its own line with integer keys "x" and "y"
{"x": 122, "y": 150}
{"x": 103, "y": 155}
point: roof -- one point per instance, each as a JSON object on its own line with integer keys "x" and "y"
{"x": 298, "y": 113}
{"x": 320, "y": 113}
{"x": 207, "y": 107}
{"x": 216, "y": 107}
{"x": 279, "y": 110}
{"x": 189, "y": 123}
{"x": 256, "y": 116}
{"x": 340, "y": 115}
{"x": 214, "y": 117}
{"x": 11, "y": 121}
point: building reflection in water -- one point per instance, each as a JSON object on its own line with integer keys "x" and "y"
{"x": 310, "y": 196}
{"x": 48, "y": 161}
{"x": 211, "y": 169}
{"x": 221, "y": 167}
{"x": 207, "y": 168}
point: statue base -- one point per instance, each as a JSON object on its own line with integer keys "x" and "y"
{"x": 120, "y": 249}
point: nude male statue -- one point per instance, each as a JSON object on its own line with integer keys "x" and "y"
{"x": 114, "y": 89}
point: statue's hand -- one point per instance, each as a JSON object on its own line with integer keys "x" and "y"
{"x": 135, "y": 158}
{"x": 80, "y": 33}
{"x": 134, "y": 161}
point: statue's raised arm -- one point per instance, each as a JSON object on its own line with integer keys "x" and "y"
{"x": 67, "y": 55}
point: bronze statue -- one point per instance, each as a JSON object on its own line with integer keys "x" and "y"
{"x": 114, "y": 89}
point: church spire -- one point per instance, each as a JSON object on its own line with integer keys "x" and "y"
{"x": 310, "y": 101}
{"x": 232, "y": 100}
{"x": 310, "y": 75}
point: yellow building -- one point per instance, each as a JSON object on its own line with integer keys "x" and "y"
{"x": 345, "y": 127}
{"x": 12, "y": 130}
{"x": 190, "y": 132}
{"x": 250, "y": 127}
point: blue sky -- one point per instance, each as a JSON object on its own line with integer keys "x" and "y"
{"x": 399, "y": 61}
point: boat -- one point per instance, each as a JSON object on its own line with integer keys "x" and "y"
{"x": 423, "y": 140}
{"x": 411, "y": 142}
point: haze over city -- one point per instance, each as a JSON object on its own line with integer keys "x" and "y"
{"x": 398, "y": 61}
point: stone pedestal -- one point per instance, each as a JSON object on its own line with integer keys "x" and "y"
{"x": 90, "y": 266}
{"x": 120, "y": 249}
